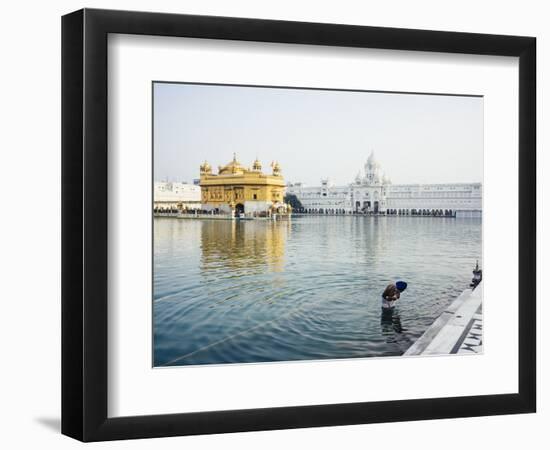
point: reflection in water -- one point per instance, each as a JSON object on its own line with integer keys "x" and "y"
{"x": 309, "y": 288}
{"x": 391, "y": 326}
{"x": 243, "y": 247}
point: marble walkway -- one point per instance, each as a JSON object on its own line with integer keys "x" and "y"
{"x": 459, "y": 329}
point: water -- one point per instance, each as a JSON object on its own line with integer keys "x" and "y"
{"x": 305, "y": 289}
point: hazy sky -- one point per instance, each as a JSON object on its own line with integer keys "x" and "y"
{"x": 317, "y": 133}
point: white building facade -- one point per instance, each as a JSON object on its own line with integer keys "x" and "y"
{"x": 324, "y": 197}
{"x": 169, "y": 196}
{"x": 373, "y": 193}
{"x": 462, "y": 199}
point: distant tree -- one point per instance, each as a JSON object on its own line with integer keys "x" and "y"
{"x": 293, "y": 201}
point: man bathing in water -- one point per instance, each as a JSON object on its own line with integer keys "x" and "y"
{"x": 392, "y": 293}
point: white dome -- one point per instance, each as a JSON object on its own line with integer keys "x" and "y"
{"x": 371, "y": 161}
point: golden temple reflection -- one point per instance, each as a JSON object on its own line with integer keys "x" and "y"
{"x": 243, "y": 247}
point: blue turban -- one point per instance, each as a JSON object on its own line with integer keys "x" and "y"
{"x": 401, "y": 285}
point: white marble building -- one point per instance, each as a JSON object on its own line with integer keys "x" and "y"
{"x": 171, "y": 196}
{"x": 373, "y": 193}
{"x": 326, "y": 196}
{"x": 464, "y": 199}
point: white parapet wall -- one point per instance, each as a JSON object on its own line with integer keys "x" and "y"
{"x": 468, "y": 214}
{"x": 256, "y": 206}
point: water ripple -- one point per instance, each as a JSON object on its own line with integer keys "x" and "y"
{"x": 252, "y": 291}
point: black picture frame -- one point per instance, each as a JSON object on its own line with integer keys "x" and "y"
{"x": 84, "y": 224}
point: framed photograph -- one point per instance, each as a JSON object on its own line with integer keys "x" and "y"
{"x": 272, "y": 224}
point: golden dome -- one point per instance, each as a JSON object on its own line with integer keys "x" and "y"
{"x": 205, "y": 167}
{"x": 232, "y": 167}
{"x": 257, "y": 165}
{"x": 276, "y": 168}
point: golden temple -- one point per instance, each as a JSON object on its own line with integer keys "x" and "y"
{"x": 241, "y": 190}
